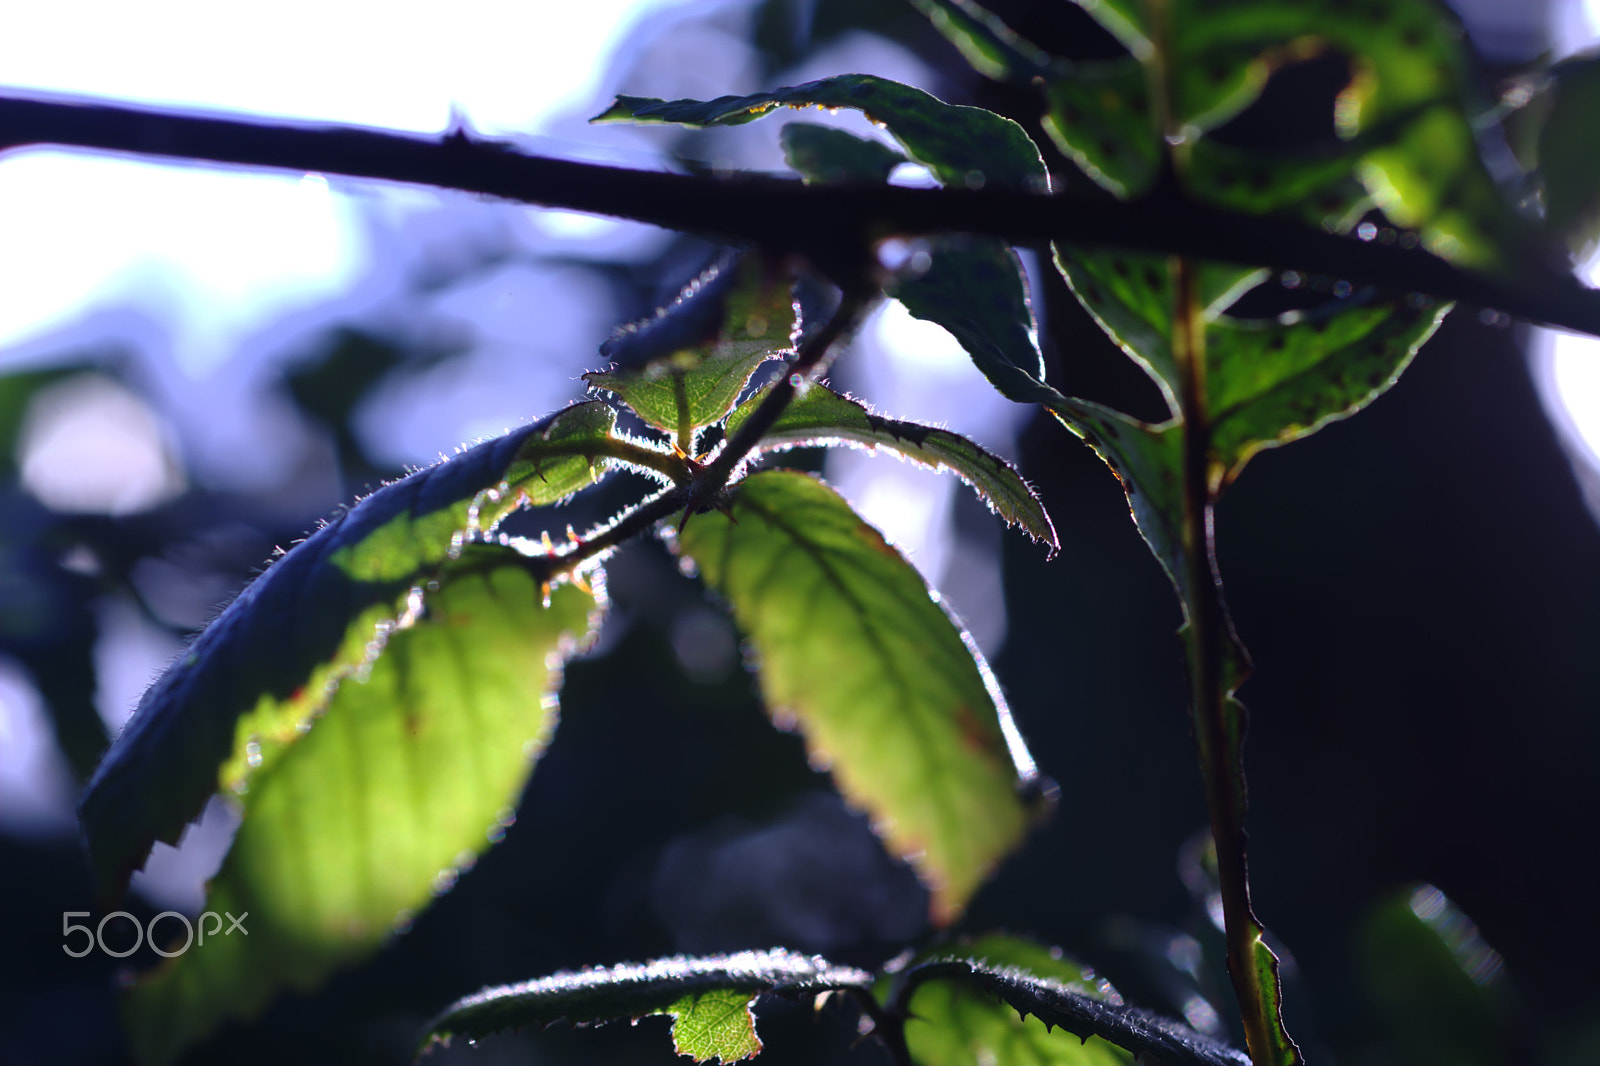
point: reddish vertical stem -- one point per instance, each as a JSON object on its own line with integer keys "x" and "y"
{"x": 1218, "y": 721}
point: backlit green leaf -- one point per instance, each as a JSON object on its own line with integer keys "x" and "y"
{"x": 821, "y": 416}
{"x": 890, "y": 694}
{"x": 696, "y": 385}
{"x": 1001, "y": 1000}
{"x": 714, "y": 1025}
{"x": 1412, "y": 90}
{"x": 1269, "y": 383}
{"x": 956, "y": 1023}
{"x": 1413, "y": 71}
{"x": 963, "y": 146}
{"x": 412, "y": 770}
{"x": 1131, "y": 296}
{"x": 258, "y": 676}
{"x": 1099, "y": 114}
{"x": 709, "y": 999}
{"x": 1320, "y": 188}
{"x": 1409, "y": 114}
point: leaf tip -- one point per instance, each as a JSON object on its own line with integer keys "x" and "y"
{"x": 619, "y": 110}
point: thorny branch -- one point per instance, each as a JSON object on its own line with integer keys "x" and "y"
{"x": 830, "y": 224}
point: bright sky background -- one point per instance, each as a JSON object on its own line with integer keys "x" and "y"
{"x": 207, "y": 278}
{"x": 190, "y": 268}
{"x": 197, "y": 261}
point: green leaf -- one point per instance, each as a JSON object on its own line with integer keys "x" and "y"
{"x": 987, "y": 43}
{"x": 889, "y": 692}
{"x": 963, "y": 146}
{"x": 696, "y": 385}
{"x": 1412, "y": 72}
{"x": 1409, "y": 111}
{"x": 1131, "y": 297}
{"x": 972, "y": 1004}
{"x": 1412, "y": 91}
{"x": 1267, "y": 382}
{"x": 1320, "y": 188}
{"x": 258, "y": 676}
{"x": 1125, "y": 20}
{"x": 714, "y": 1025}
{"x": 827, "y": 155}
{"x": 709, "y": 999}
{"x": 977, "y": 290}
{"x": 1568, "y": 148}
{"x": 1099, "y": 115}
{"x": 1437, "y": 986}
{"x": 1270, "y": 383}
{"x": 956, "y": 1023}
{"x": 820, "y": 416}
{"x": 410, "y": 773}
{"x": 1148, "y": 461}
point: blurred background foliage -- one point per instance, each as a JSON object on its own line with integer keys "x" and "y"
{"x": 1418, "y": 587}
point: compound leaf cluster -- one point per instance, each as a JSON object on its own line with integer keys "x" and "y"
{"x": 373, "y": 703}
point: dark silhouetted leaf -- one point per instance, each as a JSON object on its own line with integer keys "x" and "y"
{"x": 977, "y": 290}
{"x": 1126, "y": 20}
{"x": 411, "y": 771}
{"x": 709, "y": 999}
{"x": 821, "y": 416}
{"x": 987, "y": 43}
{"x": 963, "y": 146}
{"x": 1568, "y": 148}
{"x": 257, "y": 677}
{"x": 696, "y": 385}
{"x": 1146, "y": 459}
{"x": 889, "y": 692}
{"x": 1097, "y": 113}
{"x": 833, "y": 156}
